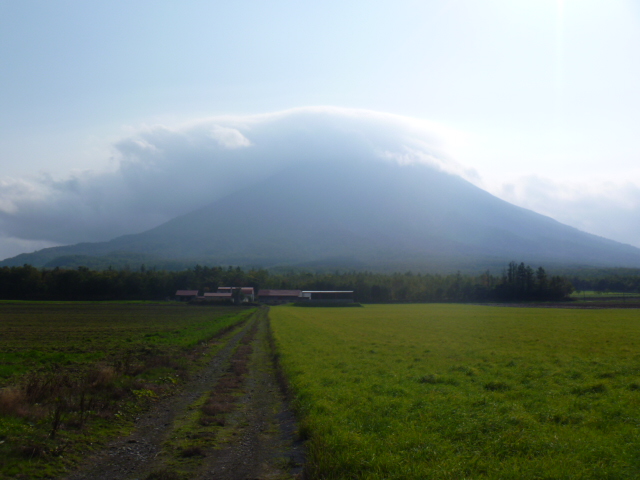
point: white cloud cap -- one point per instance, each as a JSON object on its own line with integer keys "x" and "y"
{"x": 162, "y": 171}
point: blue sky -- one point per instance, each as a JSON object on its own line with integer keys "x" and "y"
{"x": 539, "y": 98}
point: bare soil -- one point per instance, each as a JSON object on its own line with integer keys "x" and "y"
{"x": 254, "y": 436}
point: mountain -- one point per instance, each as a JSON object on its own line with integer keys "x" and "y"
{"x": 378, "y": 216}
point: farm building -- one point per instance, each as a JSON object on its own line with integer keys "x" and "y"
{"x": 278, "y": 296}
{"x": 247, "y": 292}
{"x": 186, "y": 295}
{"x": 337, "y": 296}
{"x": 217, "y": 297}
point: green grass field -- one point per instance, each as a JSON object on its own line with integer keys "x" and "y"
{"x": 72, "y": 373}
{"x": 457, "y": 391}
{"x": 73, "y": 334}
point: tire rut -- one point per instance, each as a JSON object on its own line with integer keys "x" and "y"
{"x": 133, "y": 456}
{"x": 264, "y": 443}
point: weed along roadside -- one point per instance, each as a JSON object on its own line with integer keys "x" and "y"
{"x": 229, "y": 422}
{"x": 76, "y": 374}
{"x": 135, "y": 454}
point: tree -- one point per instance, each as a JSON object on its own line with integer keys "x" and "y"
{"x": 237, "y": 295}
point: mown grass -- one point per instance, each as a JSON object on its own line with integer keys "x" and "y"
{"x": 455, "y": 392}
{"x": 73, "y": 374}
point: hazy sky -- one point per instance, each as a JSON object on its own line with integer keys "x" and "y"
{"x": 536, "y": 101}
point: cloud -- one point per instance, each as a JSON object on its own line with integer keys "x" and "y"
{"x": 609, "y": 209}
{"x": 12, "y": 191}
{"x": 161, "y": 172}
{"x": 229, "y": 137}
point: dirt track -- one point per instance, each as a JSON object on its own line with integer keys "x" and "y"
{"x": 256, "y": 441}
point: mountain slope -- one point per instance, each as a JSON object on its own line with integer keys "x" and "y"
{"x": 369, "y": 215}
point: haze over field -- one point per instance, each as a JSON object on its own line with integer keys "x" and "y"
{"x": 116, "y": 118}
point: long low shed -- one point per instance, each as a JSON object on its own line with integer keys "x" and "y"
{"x": 278, "y": 296}
{"x": 218, "y": 297}
{"x": 345, "y": 296}
{"x": 186, "y": 295}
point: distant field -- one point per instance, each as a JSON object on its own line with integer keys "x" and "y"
{"x": 72, "y": 373}
{"x": 455, "y": 391}
{"x": 594, "y": 299}
{"x": 593, "y": 293}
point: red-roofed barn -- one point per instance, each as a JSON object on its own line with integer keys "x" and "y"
{"x": 186, "y": 295}
{"x": 278, "y": 296}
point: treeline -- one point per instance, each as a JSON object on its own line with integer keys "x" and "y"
{"x": 521, "y": 282}
{"x": 609, "y": 283}
{"x": 517, "y": 283}
{"x": 30, "y": 283}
